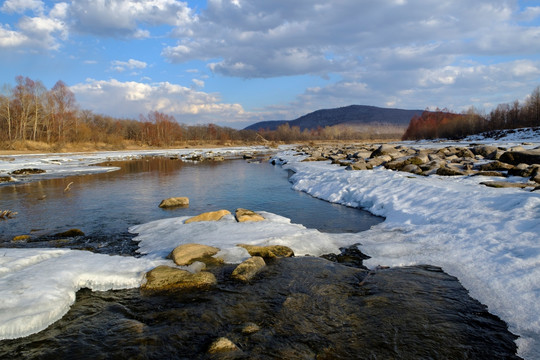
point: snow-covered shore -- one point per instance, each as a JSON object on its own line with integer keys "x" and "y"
{"x": 488, "y": 238}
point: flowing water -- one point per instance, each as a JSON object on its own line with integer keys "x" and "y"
{"x": 297, "y": 308}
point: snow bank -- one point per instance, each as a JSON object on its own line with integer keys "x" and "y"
{"x": 37, "y": 286}
{"x": 488, "y": 238}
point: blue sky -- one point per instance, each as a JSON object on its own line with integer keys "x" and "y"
{"x": 235, "y": 62}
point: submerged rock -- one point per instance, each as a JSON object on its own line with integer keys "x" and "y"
{"x": 243, "y": 215}
{"x": 70, "y": 233}
{"x": 27, "y": 171}
{"x": 21, "y": 238}
{"x": 166, "y": 278}
{"x": 187, "y": 254}
{"x": 222, "y": 345}
{"x": 208, "y": 216}
{"x": 174, "y": 202}
{"x": 248, "y": 269}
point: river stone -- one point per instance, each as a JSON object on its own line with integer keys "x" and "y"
{"x": 268, "y": 252}
{"x": 504, "y": 184}
{"x": 187, "y": 254}
{"x": 163, "y": 278}
{"x": 412, "y": 168}
{"x": 358, "y": 165}
{"x": 27, "y": 171}
{"x": 250, "y": 328}
{"x": 248, "y": 269}
{"x": 496, "y": 165}
{"x": 516, "y": 157}
{"x": 448, "y": 171}
{"x": 243, "y": 215}
{"x": 486, "y": 151}
{"x": 384, "y": 149}
{"x": 21, "y": 238}
{"x": 70, "y": 233}
{"x": 208, "y": 216}
{"x": 174, "y": 202}
{"x": 6, "y": 179}
{"x": 222, "y": 345}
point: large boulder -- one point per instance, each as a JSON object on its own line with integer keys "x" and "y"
{"x": 248, "y": 269}
{"x": 496, "y": 165}
{"x": 243, "y": 215}
{"x": 268, "y": 252}
{"x": 517, "y": 157}
{"x": 449, "y": 171}
{"x": 174, "y": 202}
{"x": 384, "y": 149}
{"x": 187, "y": 254}
{"x": 485, "y": 151}
{"x": 208, "y": 216}
{"x": 166, "y": 278}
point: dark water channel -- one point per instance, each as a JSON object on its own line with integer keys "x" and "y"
{"x": 296, "y": 308}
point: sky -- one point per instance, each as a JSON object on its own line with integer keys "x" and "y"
{"x": 236, "y": 62}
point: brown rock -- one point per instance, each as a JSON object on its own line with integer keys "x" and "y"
{"x": 448, "y": 171}
{"x": 516, "y": 157}
{"x": 243, "y": 215}
{"x": 174, "y": 202}
{"x": 504, "y": 184}
{"x": 268, "y": 252}
{"x": 164, "y": 278}
{"x": 187, "y": 254}
{"x": 208, "y": 216}
{"x": 21, "y": 238}
{"x": 248, "y": 269}
{"x": 70, "y": 233}
{"x": 496, "y": 165}
{"x": 222, "y": 345}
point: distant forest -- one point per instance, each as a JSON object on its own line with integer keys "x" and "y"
{"x": 29, "y": 112}
{"x": 445, "y": 124}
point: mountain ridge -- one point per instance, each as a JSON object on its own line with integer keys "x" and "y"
{"x": 352, "y": 115}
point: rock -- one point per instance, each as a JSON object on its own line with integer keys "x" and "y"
{"x": 243, "y": 215}
{"x": 359, "y": 165}
{"x": 250, "y": 328}
{"x": 411, "y": 168}
{"x": 384, "y": 149}
{"x": 70, "y": 233}
{"x": 218, "y": 158}
{"x": 504, "y": 184}
{"x": 27, "y": 171}
{"x": 208, "y": 216}
{"x": 222, "y": 345}
{"x": 187, "y": 254}
{"x": 523, "y": 170}
{"x": 268, "y": 252}
{"x": 465, "y": 153}
{"x": 485, "y": 151}
{"x": 496, "y": 165}
{"x": 516, "y": 157}
{"x": 4, "y": 179}
{"x": 489, "y": 173}
{"x": 21, "y": 238}
{"x": 248, "y": 269}
{"x": 174, "y": 202}
{"x": 448, "y": 171}
{"x": 165, "y": 278}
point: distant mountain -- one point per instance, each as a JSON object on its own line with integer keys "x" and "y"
{"x": 352, "y": 115}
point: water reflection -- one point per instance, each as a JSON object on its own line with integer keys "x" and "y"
{"x": 105, "y": 205}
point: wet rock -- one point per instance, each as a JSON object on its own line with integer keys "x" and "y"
{"x": 166, "y": 278}
{"x": 7, "y": 214}
{"x": 27, "y": 171}
{"x": 218, "y": 158}
{"x": 516, "y": 157}
{"x": 243, "y": 215}
{"x": 349, "y": 256}
{"x": 268, "y": 252}
{"x": 187, "y": 254}
{"x": 250, "y": 328}
{"x": 70, "y": 233}
{"x": 21, "y": 238}
{"x": 222, "y": 345}
{"x": 174, "y": 202}
{"x": 248, "y": 269}
{"x": 208, "y": 216}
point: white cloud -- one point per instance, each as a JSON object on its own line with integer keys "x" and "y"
{"x": 130, "y": 99}
{"x": 20, "y": 6}
{"x": 131, "y": 64}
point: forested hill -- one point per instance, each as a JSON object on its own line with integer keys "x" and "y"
{"x": 352, "y": 115}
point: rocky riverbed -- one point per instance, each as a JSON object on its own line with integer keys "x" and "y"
{"x": 473, "y": 160}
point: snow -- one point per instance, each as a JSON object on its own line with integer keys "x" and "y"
{"x": 488, "y": 238}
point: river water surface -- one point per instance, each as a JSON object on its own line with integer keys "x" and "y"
{"x": 297, "y": 308}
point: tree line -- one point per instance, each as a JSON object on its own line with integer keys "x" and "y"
{"x": 446, "y": 124}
